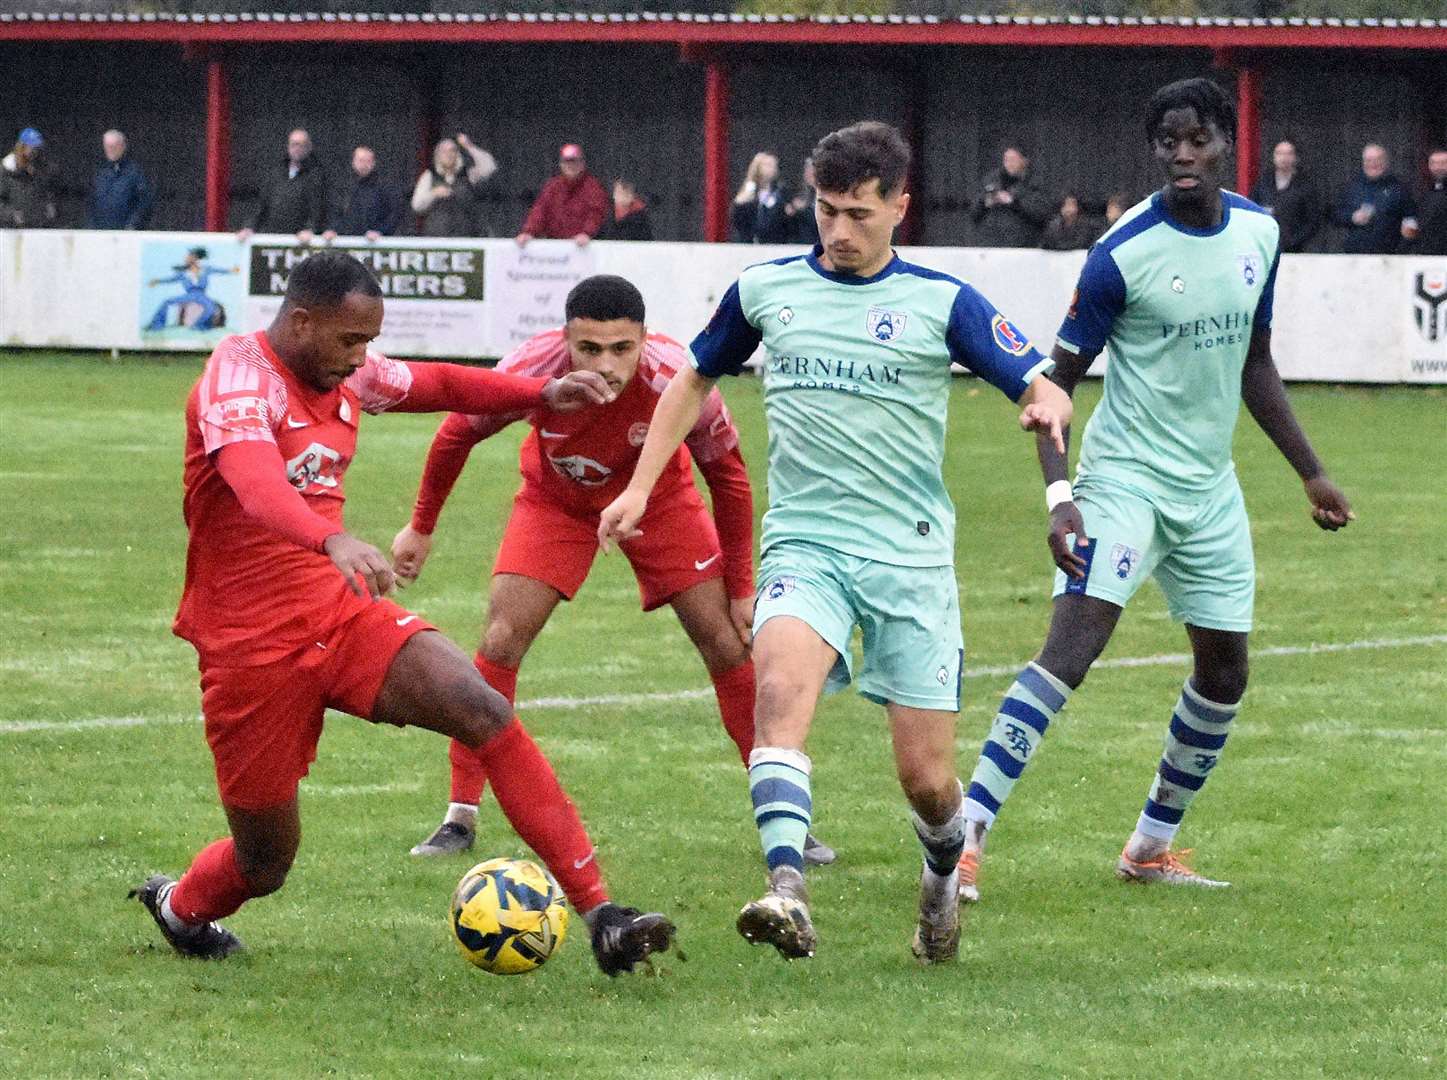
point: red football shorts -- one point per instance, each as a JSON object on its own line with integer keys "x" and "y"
{"x": 263, "y": 722}
{"x": 677, "y": 550}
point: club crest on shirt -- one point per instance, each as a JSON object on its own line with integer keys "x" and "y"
{"x": 1008, "y": 336}
{"x": 1178, "y": 284}
{"x": 638, "y": 434}
{"x": 581, "y": 470}
{"x": 885, "y": 325}
{"x": 786, "y": 315}
{"x": 345, "y": 412}
{"x": 1250, "y": 267}
{"x": 778, "y": 587}
{"x": 1123, "y": 560}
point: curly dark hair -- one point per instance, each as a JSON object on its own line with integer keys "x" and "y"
{"x": 1204, "y": 95}
{"x": 866, "y": 151}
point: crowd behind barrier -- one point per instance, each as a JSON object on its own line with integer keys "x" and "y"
{"x": 1378, "y": 212}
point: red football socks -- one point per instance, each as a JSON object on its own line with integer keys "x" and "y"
{"x": 468, "y": 775}
{"x": 213, "y": 887}
{"x": 545, "y": 818}
{"x": 735, "y": 691}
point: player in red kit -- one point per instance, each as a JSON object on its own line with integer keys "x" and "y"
{"x": 286, "y": 609}
{"x": 572, "y": 466}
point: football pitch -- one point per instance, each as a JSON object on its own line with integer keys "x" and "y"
{"x": 1325, "y": 959}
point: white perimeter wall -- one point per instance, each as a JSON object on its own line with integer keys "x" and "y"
{"x": 1338, "y": 318}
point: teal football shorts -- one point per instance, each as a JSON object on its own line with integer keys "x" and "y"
{"x": 1196, "y": 545}
{"x": 909, "y": 617}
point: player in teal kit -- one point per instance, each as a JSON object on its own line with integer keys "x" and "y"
{"x": 1181, "y": 290}
{"x": 860, "y": 530}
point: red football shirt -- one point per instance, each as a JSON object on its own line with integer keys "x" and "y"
{"x": 582, "y": 461}
{"x": 251, "y": 596}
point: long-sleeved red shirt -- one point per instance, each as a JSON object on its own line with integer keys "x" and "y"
{"x": 581, "y": 461}
{"x": 265, "y": 460}
{"x": 565, "y": 208}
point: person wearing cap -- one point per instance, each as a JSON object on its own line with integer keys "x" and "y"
{"x": 27, "y": 185}
{"x": 572, "y": 204}
{"x": 120, "y": 196}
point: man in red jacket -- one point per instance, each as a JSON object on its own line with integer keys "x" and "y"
{"x": 572, "y": 465}
{"x": 287, "y": 612}
{"x": 572, "y": 205}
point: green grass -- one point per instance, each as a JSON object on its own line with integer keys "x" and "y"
{"x": 1324, "y": 960}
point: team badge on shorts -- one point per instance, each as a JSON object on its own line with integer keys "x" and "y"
{"x": 638, "y": 434}
{"x": 782, "y": 585}
{"x": 1007, "y": 335}
{"x": 1250, "y": 267}
{"x": 885, "y": 325}
{"x": 1123, "y": 560}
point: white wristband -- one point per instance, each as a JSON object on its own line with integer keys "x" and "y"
{"x": 1058, "y": 492}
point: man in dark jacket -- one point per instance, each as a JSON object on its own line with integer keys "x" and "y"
{"x": 1372, "y": 206}
{"x": 369, "y": 208}
{"x": 294, "y": 196}
{"x": 572, "y": 205}
{"x": 1292, "y": 197}
{"x": 120, "y": 197}
{"x": 1429, "y": 229}
{"x": 1011, "y": 210}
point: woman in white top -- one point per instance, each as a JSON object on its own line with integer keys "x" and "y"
{"x": 448, "y": 197}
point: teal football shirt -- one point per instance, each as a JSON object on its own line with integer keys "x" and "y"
{"x": 856, "y": 391}
{"x": 1177, "y": 307}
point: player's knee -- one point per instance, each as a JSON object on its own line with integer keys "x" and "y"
{"x": 723, "y": 650}
{"x": 1066, "y": 662}
{"x": 503, "y": 643}
{"x": 1222, "y": 681}
{"x": 265, "y": 873}
{"x": 477, "y": 712}
{"x": 929, "y": 786}
{"x": 780, "y": 698}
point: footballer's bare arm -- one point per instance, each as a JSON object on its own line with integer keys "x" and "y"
{"x": 1266, "y": 401}
{"x": 1065, "y": 519}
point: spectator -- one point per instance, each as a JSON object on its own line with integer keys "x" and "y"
{"x": 1291, "y": 195}
{"x": 294, "y": 196}
{"x": 1069, "y": 229}
{"x": 27, "y": 185}
{"x": 120, "y": 197}
{"x": 571, "y": 204}
{"x": 1115, "y": 206}
{"x": 448, "y": 196}
{"x": 761, "y": 207}
{"x": 803, "y": 228}
{"x": 1012, "y": 209}
{"x": 1372, "y": 207}
{"x": 369, "y": 208}
{"x": 630, "y": 214}
{"x": 1428, "y": 230}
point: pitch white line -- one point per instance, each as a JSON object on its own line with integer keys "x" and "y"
{"x": 17, "y": 727}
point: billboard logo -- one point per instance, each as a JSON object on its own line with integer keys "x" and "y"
{"x": 1429, "y": 305}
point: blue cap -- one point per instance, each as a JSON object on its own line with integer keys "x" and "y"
{"x": 31, "y": 138}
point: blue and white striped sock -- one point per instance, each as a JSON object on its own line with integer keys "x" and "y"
{"x": 942, "y": 843}
{"x": 779, "y": 787}
{"x": 1030, "y": 704}
{"x": 1193, "y": 746}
